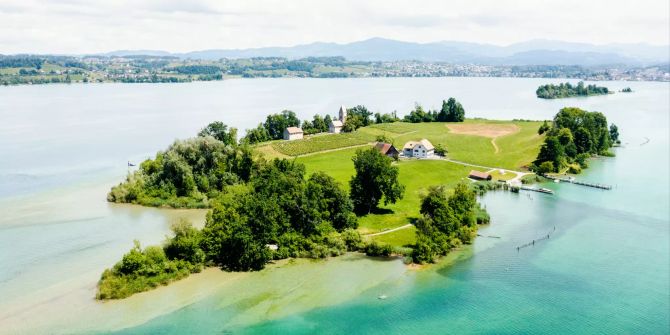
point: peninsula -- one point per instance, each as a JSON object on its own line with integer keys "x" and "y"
{"x": 377, "y": 184}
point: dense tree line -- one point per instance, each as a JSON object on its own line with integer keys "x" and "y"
{"x": 566, "y": 90}
{"x": 574, "y": 136}
{"x": 278, "y": 213}
{"x": 451, "y": 111}
{"x": 197, "y": 69}
{"x": 357, "y": 117}
{"x": 190, "y": 172}
{"x": 446, "y": 222}
{"x": 318, "y": 124}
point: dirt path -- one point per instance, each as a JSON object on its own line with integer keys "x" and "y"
{"x": 390, "y": 230}
{"x": 519, "y": 174}
{"x": 493, "y": 142}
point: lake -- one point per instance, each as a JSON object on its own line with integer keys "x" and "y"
{"x": 604, "y": 269}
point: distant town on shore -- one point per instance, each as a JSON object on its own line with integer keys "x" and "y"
{"x": 46, "y": 69}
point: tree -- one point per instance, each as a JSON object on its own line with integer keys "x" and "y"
{"x": 275, "y": 124}
{"x": 360, "y": 112}
{"x": 257, "y": 135}
{"x": 543, "y": 128}
{"x": 418, "y": 115}
{"x": 545, "y": 167}
{"x": 583, "y": 140}
{"x": 551, "y": 151}
{"x": 443, "y": 115}
{"x": 320, "y": 124}
{"x": 352, "y": 123}
{"x": 446, "y": 222}
{"x": 614, "y": 133}
{"x": 325, "y": 195}
{"x": 185, "y": 244}
{"x": 564, "y": 136}
{"x": 375, "y": 178}
{"x": 220, "y": 131}
{"x": 455, "y": 111}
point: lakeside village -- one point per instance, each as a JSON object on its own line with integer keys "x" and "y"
{"x": 322, "y": 188}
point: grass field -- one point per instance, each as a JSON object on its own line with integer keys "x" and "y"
{"x": 502, "y": 176}
{"x": 322, "y": 142}
{"x": 514, "y": 150}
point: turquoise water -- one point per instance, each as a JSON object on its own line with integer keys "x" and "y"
{"x": 604, "y": 269}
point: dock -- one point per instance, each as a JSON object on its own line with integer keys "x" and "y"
{"x": 582, "y": 183}
{"x": 541, "y": 190}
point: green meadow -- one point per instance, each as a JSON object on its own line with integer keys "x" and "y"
{"x": 517, "y": 145}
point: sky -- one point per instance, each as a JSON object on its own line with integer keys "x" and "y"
{"x": 91, "y": 26}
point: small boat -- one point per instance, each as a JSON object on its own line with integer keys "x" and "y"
{"x": 545, "y": 190}
{"x": 556, "y": 181}
{"x": 382, "y": 297}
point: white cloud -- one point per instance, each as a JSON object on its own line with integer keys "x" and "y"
{"x": 82, "y": 26}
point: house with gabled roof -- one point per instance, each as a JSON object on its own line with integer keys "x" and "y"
{"x": 418, "y": 149}
{"x": 293, "y": 133}
{"x": 387, "y": 149}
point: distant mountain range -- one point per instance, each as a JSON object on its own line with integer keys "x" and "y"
{"x": 534, "y": 52}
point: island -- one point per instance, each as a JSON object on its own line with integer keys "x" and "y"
{"x": 567, "y": 90}
{"x": 379, "y": 185}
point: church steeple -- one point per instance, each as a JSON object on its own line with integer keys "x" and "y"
{"x": 343, "y": 113}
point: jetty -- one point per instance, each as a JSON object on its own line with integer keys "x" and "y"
{"x": 582, "y": 183}
{"x": 541, "y": 190}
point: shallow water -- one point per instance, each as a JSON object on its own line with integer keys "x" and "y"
{"x": 604, "y": 268}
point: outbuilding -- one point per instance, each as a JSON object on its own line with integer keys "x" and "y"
{"x": 293, "y": 133}
{"x": 387, "y": 149}
{"x": 478, "y": 175}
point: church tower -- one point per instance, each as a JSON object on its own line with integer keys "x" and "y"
{"x": 343, "y": 113}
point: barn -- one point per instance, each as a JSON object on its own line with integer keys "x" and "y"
{"x": 387, "y": 149}
{"x": 478, "y": 175}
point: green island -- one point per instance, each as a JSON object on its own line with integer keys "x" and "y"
{"x": 331, "y": 193}
{"x": 567, "y": 90}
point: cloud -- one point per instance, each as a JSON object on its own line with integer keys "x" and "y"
{"x": 84, "y": 26}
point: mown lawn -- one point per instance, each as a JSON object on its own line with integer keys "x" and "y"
{"x": 402, "y": 238}
{"x": 514, "y": 151}
{"x": 416, "y": 175}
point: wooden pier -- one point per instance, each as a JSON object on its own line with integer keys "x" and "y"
{"x": 541, "y": 190}
{"x": 582, "y": 183}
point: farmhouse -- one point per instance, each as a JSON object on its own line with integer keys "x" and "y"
{"x": 478, "y": 175}
{"x": 293, "y": 133}
{"x": 387, "y": 149}
{"x": 335, "y": 126}
{"x": 420, "y": 149}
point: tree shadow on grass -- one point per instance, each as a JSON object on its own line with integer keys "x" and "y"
{"x": 382, "y": 211}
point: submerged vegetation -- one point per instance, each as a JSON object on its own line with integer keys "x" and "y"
{"x": 567, "y": 90}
